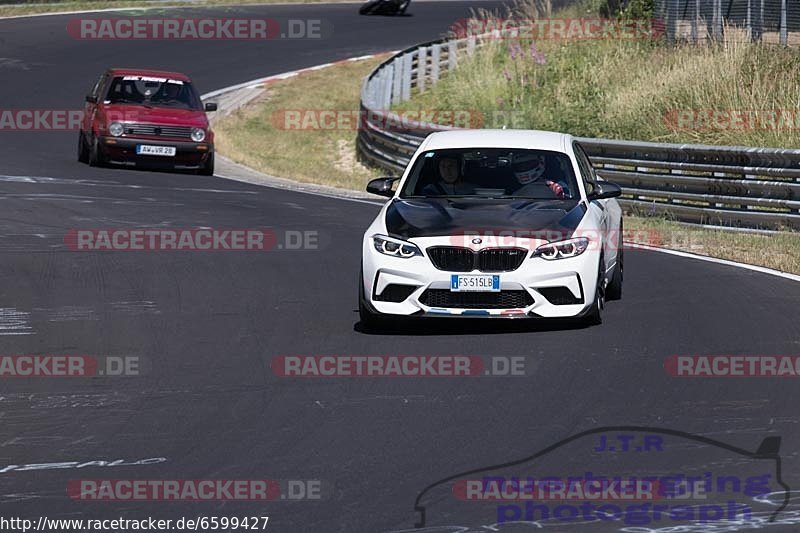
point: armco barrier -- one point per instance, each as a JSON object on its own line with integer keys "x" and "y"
{"x": 720, "y": 185}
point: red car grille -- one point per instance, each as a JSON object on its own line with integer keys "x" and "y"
{"x": 157, "y": 130}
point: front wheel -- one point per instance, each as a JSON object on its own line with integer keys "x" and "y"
{"x": 614, "y": 289}
{"x": 208, "y": 167}
{"x": 83, "y": 150}
{"x": 96, "y": 158}
{"x": 370, "y": 320}
{"x": 595, "y": 315}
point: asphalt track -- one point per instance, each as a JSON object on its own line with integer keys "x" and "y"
{"x": 207, "y": 325}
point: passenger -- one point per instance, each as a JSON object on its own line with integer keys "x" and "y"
{"x": 451, "y": 182}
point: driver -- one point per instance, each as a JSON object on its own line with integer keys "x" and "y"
{"x": 450, "y": 180}
{"x": 171, "y": 91}
{"x": 529, "y": 171}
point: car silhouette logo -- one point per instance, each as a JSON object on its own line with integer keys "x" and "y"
{"x": 766, "y": 495}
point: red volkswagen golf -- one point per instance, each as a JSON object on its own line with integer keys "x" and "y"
{"x": 139, "y": 117}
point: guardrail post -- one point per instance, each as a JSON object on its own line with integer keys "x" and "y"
{"x": 375, "y": 94}
{"x": 452, "y": 55}
{"x": 397, "y": 66}
{"x": 696, "y": 22}
{"x": 784, "y": 32}
{"x": 388, "y": 80}
{"x": 406, "y": 77}
{"x": 716, "y": 22}
{"x": 422, "y": 67}
{"x": 672, "y": 20}
{"x": 757, "y": 17}
{"x": 436, "y": 54}
{"x": 471, "y": 44}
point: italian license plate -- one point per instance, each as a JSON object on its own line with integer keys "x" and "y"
{"x": 147, "y": 149}
{"x": 471, "y": 283}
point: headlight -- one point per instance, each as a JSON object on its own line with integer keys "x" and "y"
{"x": 116, "y": 129}
{"x": 562, "y": 249}
{"x": 198, "y": 134}
{"x": 396, "y": 247}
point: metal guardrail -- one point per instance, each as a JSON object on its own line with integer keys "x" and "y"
{"x": 720, "y": 185}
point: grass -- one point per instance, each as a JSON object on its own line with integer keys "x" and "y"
{"x": 631, "y": 89}
{"x": 256, "y": 136}
{"x": 56, "y": 6}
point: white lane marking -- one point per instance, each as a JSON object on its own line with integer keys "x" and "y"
{"x": 80, "y": 464}
{"x": 15, "y": 322}
{"x": 304, "y": 191}
{"x": 66, "y": 313}
{"x": 727, "y": 262}
{"x": 97, "y": 183}
{"x": 145, "y": 307}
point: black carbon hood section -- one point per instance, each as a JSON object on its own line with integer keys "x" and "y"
{"x": 432, "y": 217}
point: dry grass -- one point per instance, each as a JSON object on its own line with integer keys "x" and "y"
{"x": 255, "y": 136}
{"x": 780, "y": 251}
{"x": 630, "y": 90}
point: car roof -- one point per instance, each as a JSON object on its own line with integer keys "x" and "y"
{"x": 148, "y": 72}
{"x": 485, "y": 138}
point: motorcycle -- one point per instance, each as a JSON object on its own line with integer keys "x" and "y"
{"x": 384, "y": 7}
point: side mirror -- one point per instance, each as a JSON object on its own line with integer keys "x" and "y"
{"x": 211, "y": 106}
{"x": 605, "y": 189}
{"x": 91, "y": 99}
{"x": 382, "y": 186}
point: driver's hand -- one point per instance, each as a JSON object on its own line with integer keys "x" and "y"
{"x": 557, "y": 189}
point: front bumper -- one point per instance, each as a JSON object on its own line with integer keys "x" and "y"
{"x": 555, "y": 289}
{"x": 189, "y": 155}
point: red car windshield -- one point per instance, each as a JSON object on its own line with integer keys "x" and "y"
{"x": 153, "y": 92}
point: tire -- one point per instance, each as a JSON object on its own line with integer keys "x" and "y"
{"x": 369, "y": 7}
{"x": 614, "y": 288}
{"x": 370, "y": 320}
{"x": 83, "y": 151}
{"x": 595, "y": 315}
{"x": 96, "y": 158}
{"x": 208, "y": 167}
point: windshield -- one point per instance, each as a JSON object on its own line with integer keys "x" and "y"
{"x": 492, "y": 173}
{"x": 152, "y": 92}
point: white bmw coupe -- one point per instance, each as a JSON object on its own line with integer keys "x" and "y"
{"x": 493, "y": 223}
